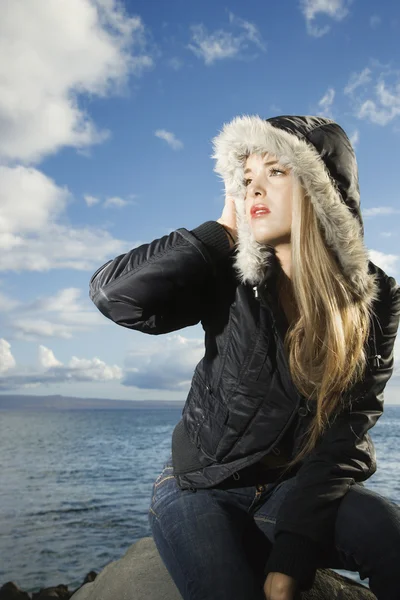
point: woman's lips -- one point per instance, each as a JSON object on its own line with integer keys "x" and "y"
{"x": 258, "y": 213}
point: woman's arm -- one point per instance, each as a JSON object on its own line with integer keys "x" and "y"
{"x": 344, "y": 455}
{"x": 165, "y": 285}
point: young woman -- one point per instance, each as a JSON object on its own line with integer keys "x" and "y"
{"x": 264, "y": 483}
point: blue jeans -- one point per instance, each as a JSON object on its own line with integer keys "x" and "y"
{"x": 214, "y": 542}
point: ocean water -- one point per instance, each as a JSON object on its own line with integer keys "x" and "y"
{"x": 76, "y": 485}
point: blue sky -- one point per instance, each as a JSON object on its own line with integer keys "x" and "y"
{"x": 107, "y": 112}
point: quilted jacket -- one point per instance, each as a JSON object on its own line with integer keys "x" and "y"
{"x": 242, "y": 403}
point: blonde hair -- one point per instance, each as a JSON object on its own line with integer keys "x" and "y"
{"x": 325, "y": 343}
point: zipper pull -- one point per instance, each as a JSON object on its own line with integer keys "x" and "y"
{"x": 376, "y": 360}
{"x": 255, "y": 289}
{"x": 376, "y": 357}
{"x": 259, "y": 490}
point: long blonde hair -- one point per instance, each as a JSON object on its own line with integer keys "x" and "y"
{"x": 325, "y": 343}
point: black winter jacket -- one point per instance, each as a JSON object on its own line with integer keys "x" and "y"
{"x": 242, "y": 400}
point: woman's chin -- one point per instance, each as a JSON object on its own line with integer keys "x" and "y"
{"x": 261, "y": 237}
{"x": 260, "y": 231}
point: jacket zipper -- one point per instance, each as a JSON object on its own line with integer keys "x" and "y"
{"x": 375, "y": 357}
{"x": 278, "y": 337}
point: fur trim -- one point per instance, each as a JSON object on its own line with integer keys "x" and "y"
{"x": 343, "y": 233}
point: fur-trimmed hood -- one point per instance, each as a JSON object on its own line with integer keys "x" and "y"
{"x": 320, "y": 154}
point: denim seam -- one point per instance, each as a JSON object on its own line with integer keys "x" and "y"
{"x": 186, "y": 578}
{"x": 159, "y": 477}
{"x": 153, "y": 499}
{"x": 265, "y": 519}
{"x": 156, "y": 485}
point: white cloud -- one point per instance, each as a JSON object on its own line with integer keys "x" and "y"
{"x": 115, "y": 202}
{"x": 60, "y": 247}
{"x": 175, "y": 63}
{"x": 215, "y": 46}
{"x": 375, "y": 21}
{"x": 66, "y": 300}
{"x": 62, "y": 315}
{"x": 167, "y": 364}
{"x": 91, "y": 200}
{"x": 355, "y": 138}
{"x": 387, "y": 262}
{"x": 380, "y": 210}
{"x": 357, "y": 80}
{"x": 29, "y": 200}
{"x": 52, "y": 371}
{"x": 7, "y": 361}
{"x": 31, "y": 238}
{"x": 375, "y": 94}
{"x": 50, "y": 52}
{"x": 222, "y": 44}
{"x": 384, "y": 108}
{"x": 7, "y": 303}
{"x": 326, "y": 102}
{"x": 251, "y": 34}
{"x": 335, "y": 9}
{"x": 81, "y": 369}
{"x": 47, "y": 358}
{"x": 33, "y": 329}
{"x": 170, "y": 138}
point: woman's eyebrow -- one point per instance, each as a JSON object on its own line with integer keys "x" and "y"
{"x": 267, "y": 164}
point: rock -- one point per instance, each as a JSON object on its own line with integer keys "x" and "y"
{"x": 141, "y": 575}
{"x": 91, "y": 576}
{"x": 329, "y": 585}
{"x": 60, "y": 591}
{"x": 10, "y": 591}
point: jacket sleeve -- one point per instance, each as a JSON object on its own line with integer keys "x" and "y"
{"x": 165, "y": 285}
{"x": 345, "y": 454}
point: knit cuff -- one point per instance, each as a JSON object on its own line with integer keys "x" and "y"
{"x": 296, "y": 556}
{"x": 214, "y": 236}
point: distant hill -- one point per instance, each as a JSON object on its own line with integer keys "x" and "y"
{"x": 57, "y": 402}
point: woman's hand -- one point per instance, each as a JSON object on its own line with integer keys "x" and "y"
{"x": 280, "y": 587}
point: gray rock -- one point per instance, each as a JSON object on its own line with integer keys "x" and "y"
{"x": 10, "y": 591}
{"x": 141, "y": 575}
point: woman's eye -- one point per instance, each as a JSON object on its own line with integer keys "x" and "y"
{"x": 272, "y": 172}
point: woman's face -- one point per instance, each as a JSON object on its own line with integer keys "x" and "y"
{"x": 269, "y": 184}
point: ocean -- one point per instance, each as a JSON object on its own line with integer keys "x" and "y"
{"x": 76, "y": 486}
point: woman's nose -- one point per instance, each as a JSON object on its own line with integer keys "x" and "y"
{"x": 257, "y": 190}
